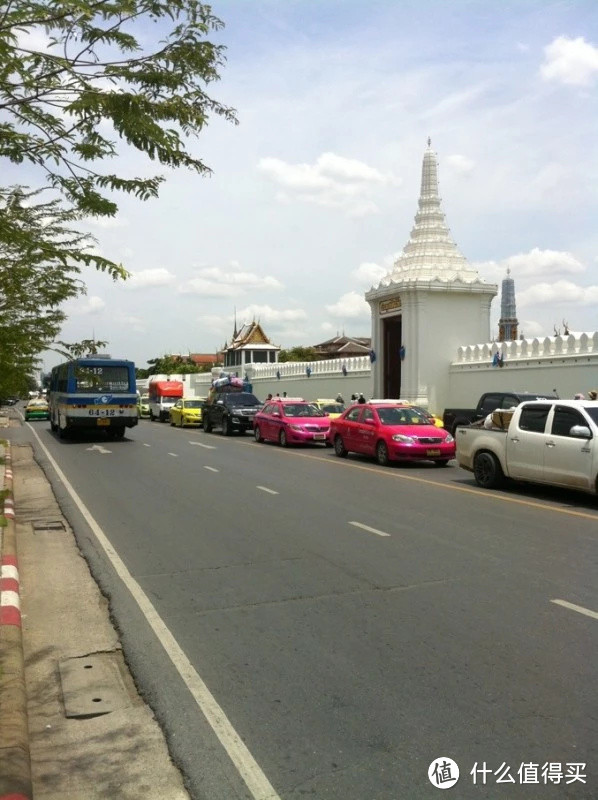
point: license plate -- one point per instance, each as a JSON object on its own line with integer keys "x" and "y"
{"x": 319, "y": 435}
{"x": 103, "y": 421}
{"x": 432, "y": 452}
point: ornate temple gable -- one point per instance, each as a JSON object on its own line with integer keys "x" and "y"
{"x": 343, "y": 346}
{"x": 250, "y": 333}
{"x": 430, "y": 257}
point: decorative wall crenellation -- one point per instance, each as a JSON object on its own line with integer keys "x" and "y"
{"x": 574, "y": 344}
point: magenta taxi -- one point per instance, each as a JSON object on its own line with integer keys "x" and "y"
{"x": 291, "y": 420}
{"x": 390, "y": 432}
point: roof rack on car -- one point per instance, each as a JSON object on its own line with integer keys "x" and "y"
{"x": 388, "y": 400}
{"x": 292, "y": 399}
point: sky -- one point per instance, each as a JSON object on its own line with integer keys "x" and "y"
{"x": 313, "y": 194}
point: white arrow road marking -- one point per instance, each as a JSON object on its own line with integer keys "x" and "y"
{"x": 99, "y": 448}
{"x": 580, "y": 609}
{"x": 367, "y": 528}
{"x": 207, "y": 446}
{"x": 212, "y": 469}
{"x": 265, "y": 489}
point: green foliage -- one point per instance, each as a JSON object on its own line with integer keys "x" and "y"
{"x": 41, "y": 257}
{"x": 298, "y": 354}
{"x": 87, "y": 347}
{"x": 167, "y": 365}
{"x": 77, "y": 89}
{"x": 56, "y": 100}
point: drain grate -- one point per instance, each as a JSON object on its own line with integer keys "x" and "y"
{"x": 41, "y": 525}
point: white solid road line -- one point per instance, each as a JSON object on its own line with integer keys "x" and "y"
{"x": 212, "y": 469}
{"x": 579, "y": 609}
{"x": 265, "y": 489}
{"x": 247, "y": 767}
{"x": 207, "y": 446}
{"x": 367, "y": 528}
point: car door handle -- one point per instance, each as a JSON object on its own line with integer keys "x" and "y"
{"x": 514, "y": 438}
{"x": 550, "y": 444}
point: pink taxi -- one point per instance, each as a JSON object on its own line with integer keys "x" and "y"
{"x": 390, "y": 432}
{"x": 291, "y": 420}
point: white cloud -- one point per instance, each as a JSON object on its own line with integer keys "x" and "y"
{"x": 570, "y": 61}
{"x": 107, "y": 222}
{"x": 136, "y": 323}
{"x": 559, "y": 293}
{"x": 148, "y": 278}
{"x": 217, "y": 282}
{"x": 332, "y": 181}
{"x": 89, "y": 305}
{"x": 460, "y": 164}
{"x": 369, "y": 274}
{"x": 350, "y": 306}
{"x": 535, "y": 263}
{"x": 269, "y": 315}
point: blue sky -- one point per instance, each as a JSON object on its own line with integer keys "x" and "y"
{"x": 313, "y": 194}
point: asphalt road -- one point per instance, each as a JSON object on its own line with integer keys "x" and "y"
{"x": 353, "y": 623}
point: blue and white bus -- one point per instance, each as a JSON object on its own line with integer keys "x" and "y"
{"x": 93, "y": 393}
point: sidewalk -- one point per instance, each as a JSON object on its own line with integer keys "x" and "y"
{"x": 73, "y": 668}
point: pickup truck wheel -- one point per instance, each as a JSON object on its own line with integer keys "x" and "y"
{"x": 152, "y": 418}
{"x": 226, "y": 427}
{"x": 382, "y": 453}
{"x": 257, "y": 434}
{"x": 487, "y": 471}
{"x": 339, "y": 447}
{"x": 207, "y": 426}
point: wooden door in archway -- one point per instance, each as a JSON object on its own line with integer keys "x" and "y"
{"x": 392, "y": 328}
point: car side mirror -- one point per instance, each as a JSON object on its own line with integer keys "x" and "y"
{"x": 580, "y": 432}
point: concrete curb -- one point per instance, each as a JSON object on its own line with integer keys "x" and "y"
{"x": 15, "y": 762}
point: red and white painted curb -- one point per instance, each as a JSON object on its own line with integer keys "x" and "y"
{"x": 10, "y": 600}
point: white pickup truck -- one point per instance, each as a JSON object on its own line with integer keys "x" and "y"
{"x": 546, "y": 441}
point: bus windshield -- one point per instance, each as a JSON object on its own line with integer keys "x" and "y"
{"x": 109, "y": 378}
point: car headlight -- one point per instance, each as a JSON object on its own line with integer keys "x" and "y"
{"x": 296, "y": 427}
{"x": 399, "y": 437}
{"x": 449, "y": 439}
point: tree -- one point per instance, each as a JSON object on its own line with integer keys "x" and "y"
{"x": 66, "y": 107}
{"x": 93, "y": 71}
{"x": 298, "y": 354}
{"x": 175, "y": 365}
{"x": 41, "y": 257}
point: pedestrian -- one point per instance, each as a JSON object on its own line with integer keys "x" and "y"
{"x": 593, "y": 394}
{"x": 579, "y": 396}
{"x": 353, "y": 398}
{"x": 284, "y": 394}
{"x": 361, "y": 398}
{"x": 339, "y": 398}
{"x": 269, "y": 397}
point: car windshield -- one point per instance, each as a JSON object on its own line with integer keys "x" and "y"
{"x": 301, "y": 410}
{"x": 144, "y": 398}
{"x": 402, "y": 416}
{"x": 592, "y": 413}
{"x": 193, "y": 403}
{"x": 333, "y": 408}
{"x": 242, "y": 399}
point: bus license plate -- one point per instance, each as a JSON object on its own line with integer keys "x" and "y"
{"x": 103, "y": 421}
{"x": 432, "y": 452}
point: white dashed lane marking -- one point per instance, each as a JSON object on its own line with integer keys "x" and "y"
{"x": 146, "y": 445}
{"x": 207, "y": 446}
{"x": 174, "y": 455}
{"x": 265, "y": 489}
{"x": 580, "y": 609}
{"x": 212, "y": 469}
{"x": 367, "y": 528}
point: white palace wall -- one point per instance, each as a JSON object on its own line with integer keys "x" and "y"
{"x": 568, "y": 364}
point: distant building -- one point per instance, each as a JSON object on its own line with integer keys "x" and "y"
{"x": 207, "y": 360}
{"x": 508, "y": 323}
{"x": 343, "y": 347}
{"x": 249, "y": 345}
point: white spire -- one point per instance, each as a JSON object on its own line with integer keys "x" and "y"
{"x": 430, "y": 253}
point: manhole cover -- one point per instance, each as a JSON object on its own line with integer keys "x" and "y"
{"x": 48, "y": 525}
{"x": 92, "y": 686}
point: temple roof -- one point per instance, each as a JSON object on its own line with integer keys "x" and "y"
{"x": 430, "y": 255}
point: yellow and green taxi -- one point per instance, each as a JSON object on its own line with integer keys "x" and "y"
{"x": 187, "y": 412}
{"x": 330, "y": 407}
{"x": 143, "y": 409}
{"x": 37, "y": 408}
